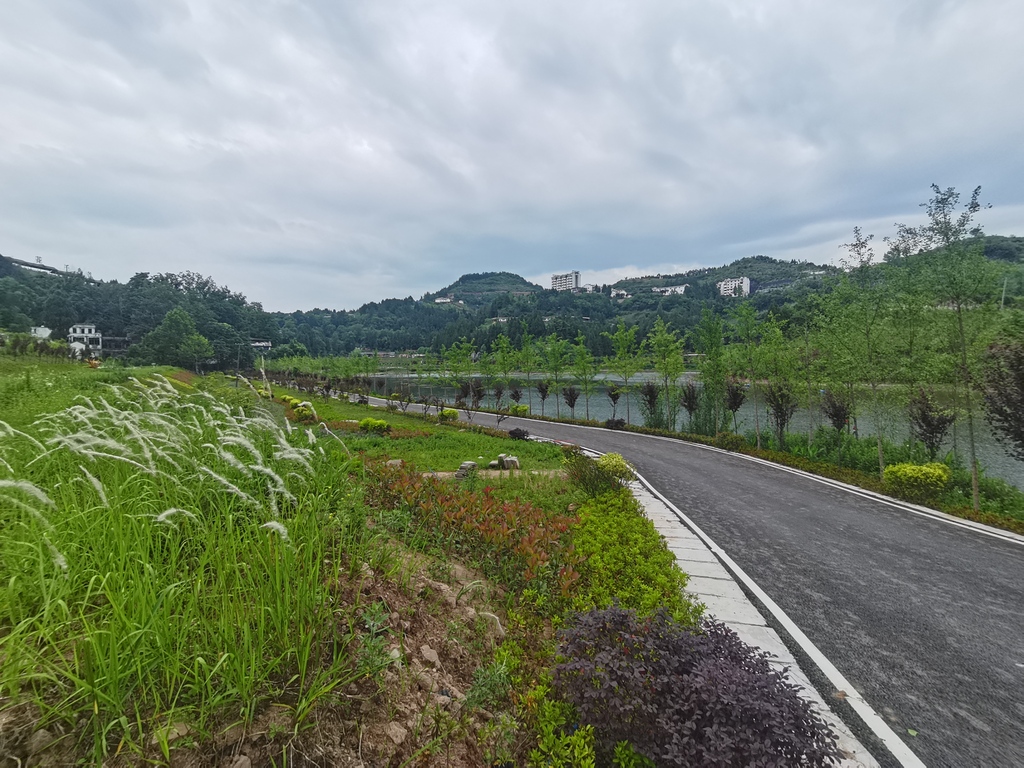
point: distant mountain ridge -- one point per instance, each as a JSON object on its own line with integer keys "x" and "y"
{"x": 760, "y": 269}
{"x": 492, "y": 303}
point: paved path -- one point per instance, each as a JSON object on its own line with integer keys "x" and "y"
{"x": 724, "y": 599}
{"x": 925, "y": 618}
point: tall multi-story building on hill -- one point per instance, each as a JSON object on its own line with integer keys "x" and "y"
{"x": 569, "y": 281}
{"x": 734, "y": 286}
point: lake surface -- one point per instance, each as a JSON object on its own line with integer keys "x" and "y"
{"x": 994, "y": 458}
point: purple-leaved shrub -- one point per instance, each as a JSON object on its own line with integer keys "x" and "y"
{"x": 683, "y": 696}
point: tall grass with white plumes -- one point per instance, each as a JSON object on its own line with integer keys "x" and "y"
{"x": 162, "y": 559}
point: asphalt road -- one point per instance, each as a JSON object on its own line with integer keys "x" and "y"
{"x": 925, "y": 619}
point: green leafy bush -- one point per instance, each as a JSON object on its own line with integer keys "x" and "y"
{"x": 585, "y": 473}
{"x": 919, "y": 483}
{"x": 617, "y": 467}
{"x": 624, "y": 559}
{"x": 683, "y": 696}
{"x": 558, "y": 746}
{"x": 730, "y": 441}
{"x": 374, "y": 426}
{"x": 304, "y": 413}
{"x": 448, "y": 415}
{"x": 519, "y": 410}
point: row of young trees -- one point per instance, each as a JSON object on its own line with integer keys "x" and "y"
{"x": 919, "y": 327}
{"x": 925, "y": 317}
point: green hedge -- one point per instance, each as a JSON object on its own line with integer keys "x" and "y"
{"x": 626, "y": 560}
{"x": 919, "y": 483}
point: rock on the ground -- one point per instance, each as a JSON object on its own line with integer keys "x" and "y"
{"x": 425, "y": 682}
{"x": 396, "y": 733}
{"x": 170, "y": 733}
{"x": 39, "y": 741}
{"x": 430, "y": 655}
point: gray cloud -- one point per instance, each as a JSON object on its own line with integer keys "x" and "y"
{"x": 326, "y": 154}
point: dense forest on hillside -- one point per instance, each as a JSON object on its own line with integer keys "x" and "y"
{"x": 941, "y": 308}
{"x": 492, "y": 304}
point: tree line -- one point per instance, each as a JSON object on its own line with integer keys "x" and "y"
{"x": 923, "y": 329}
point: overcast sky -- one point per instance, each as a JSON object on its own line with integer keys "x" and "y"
{"x": 326, "y": 153}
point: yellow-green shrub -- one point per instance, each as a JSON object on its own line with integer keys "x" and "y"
{"x": 304, "y": 413}
{"x": 626, "y": 560}
{"x": 617, "y": 467}
{"x": 374, "y": 426}
{"x": 448, "y": 415}
{"x": 919, "y": 483}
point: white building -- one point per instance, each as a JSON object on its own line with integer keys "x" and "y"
{"x": 619, "y": 294}
{"x": 442, "y": 300}
{"x": 85, "y": 340}
{"x": 734, "y": 286}
{"x": 40, "y": 332}
{"x": 569, "y": 281}
{"x": 670, "y": 290}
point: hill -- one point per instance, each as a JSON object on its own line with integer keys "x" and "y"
{"x": 1004, "y": 248}
{"x": 481, "y": 306}
{"x": 479, "y": 289}
{"x": 763, "y": 271}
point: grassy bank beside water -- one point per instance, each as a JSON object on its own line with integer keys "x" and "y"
{"x": 190, "y": 577}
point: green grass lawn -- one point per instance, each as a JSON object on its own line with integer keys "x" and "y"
{"x": 425, "y": 443}
{"x": 30, "y": 386}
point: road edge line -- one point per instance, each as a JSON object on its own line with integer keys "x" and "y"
{"x": 896, "y": 746}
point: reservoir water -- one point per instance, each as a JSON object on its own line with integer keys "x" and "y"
{"x": 995, "y": 459}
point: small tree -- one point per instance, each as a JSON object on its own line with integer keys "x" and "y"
{"x": 735, "y": 396}
{"x": 748, "y": 331}
{"x": 462, "y": 393}
{"x": 666, "y": 354}
{"x": 1004, "y": 394}
{"x": 584, "y": 369}
{"x": 837, "y": 409}
{"x": 614, "y": 393}
{"x": 528, "y": 361}
{"x": 627, "y": 360}
{"x": 556, "y": 361}
{"x": 782, "y": 404}
{"x": 543, "y": 390}
{"x": 929, "y": 422}
{"x": 963, "y": 281}
{"x": 708, "y": 338}
{"x": 196, "y": 349}
{"x": 650, "y": 394}
{"x": 478, "y": 392}
{"x": 571, "y": 395}
{"x": 458, "y": 365}
{"x": 689, "y": 398}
